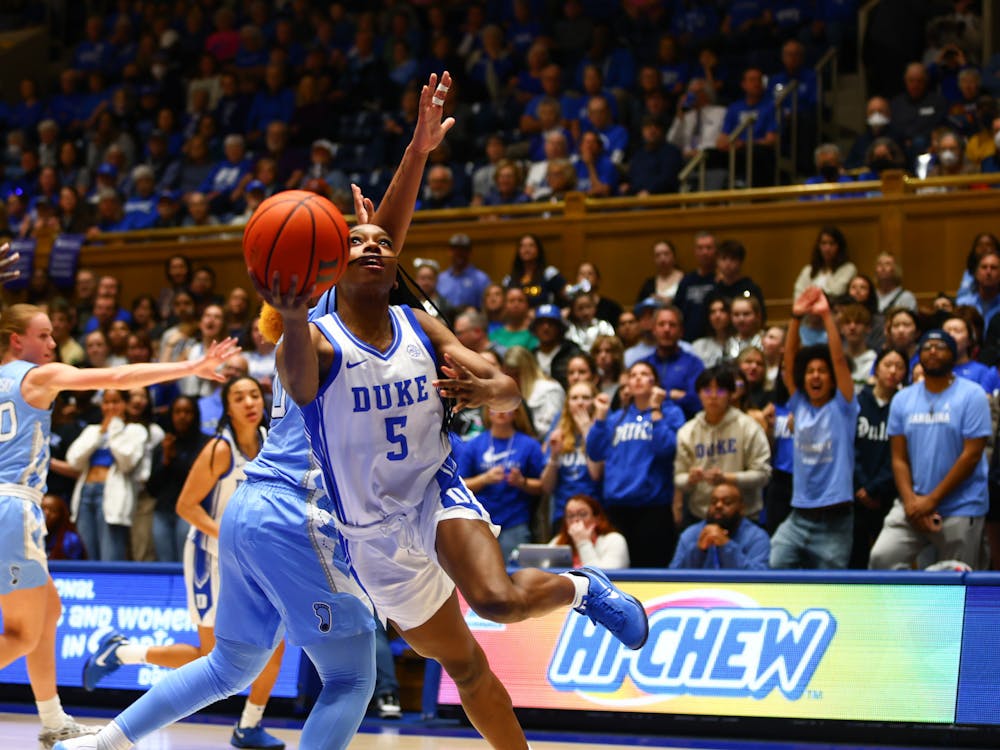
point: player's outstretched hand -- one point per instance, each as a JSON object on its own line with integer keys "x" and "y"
{"x": 217, "y": 353}
{"x": 463, "y": 385}
{"x": 7, "y": 261}
{"x": 286, "y": 303}
{"x": 364, "y": 209}
{"x": 431, "y": 129}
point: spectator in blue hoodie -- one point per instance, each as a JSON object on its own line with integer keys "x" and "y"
{"x": 725, "y": 540}
{"x": 637, "y": 445}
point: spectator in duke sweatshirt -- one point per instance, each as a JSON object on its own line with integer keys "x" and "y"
{"x": 637, "y": 446}
{"x": 720, "y": 444}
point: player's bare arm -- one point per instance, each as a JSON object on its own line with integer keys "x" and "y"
{"x": 472, "y": 380}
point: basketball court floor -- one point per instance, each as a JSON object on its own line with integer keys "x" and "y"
{"x": 19, "y": 731}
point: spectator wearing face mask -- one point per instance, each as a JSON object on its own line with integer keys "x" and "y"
{"x": 828, "y": 171}
{"x": 878, "y": 124}
{"x": 950, "y": 157}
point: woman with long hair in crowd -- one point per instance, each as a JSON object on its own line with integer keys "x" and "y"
{"x": 902, "y": 331}
{"x": 542, "y": 395}
{"x": 874, "y": 484}
{"x": 568, "y": 471}
{"x": 213, "y": 478}
{"x": 590, "y": 534}
{"x": 609, "y": 356}
{"x": 711, "y": 349}
{"x": 530, "y": 271}
{"x": 829, "y": 268}
{"x": 503, "y": 466}
{"x": 663, "y": 285}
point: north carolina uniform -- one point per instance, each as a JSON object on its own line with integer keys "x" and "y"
{"x": 375, "y": 429}
{"x": 201, "y": 551}
{"x": 24, "y": 463}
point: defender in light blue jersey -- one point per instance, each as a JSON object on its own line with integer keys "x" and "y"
{"x": 366, "y": 379}
{"x": 30, "y": 380}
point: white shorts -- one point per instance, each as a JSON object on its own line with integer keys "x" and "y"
{"x": 201, "y": 579}
{"x": 396, "y": 561}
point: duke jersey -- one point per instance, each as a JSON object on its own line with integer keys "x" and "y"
{"x": 24, "y": 435}
{"x": 375, "y": 425}
{"x": 218, "y": 497}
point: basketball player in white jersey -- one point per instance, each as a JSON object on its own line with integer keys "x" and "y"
{"x": 366, "y": 379}
{"x": 30, "y": 380}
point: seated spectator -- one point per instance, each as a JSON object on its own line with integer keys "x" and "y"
{"x": 591, "y": 536}
{"x": 829, "y": 170}
{"x": 516, "y": 320}
{"x": 555, "y": 147}
{"x": 874, "y": 486}
{"x": 725, "y": 540}
{"x": 560, "y": 180}
{"x": 322, "y": 166}
{"x": 763, "y": 132}
{"x": 221, "y": 185}
{"x": 637, "y": 444}
{"x": 878, "y": 124}
{"x": 543, "y": 395}
{"x": 530, "y": 272}
{"x": 587, "y": 274}
{"x": 730, "y": 281}
{"x": 668, "y": 276}
{"x": 502, "y": 466}
{"x": 938, "y": 429}
{"x": 980, "y": 145}
{"x": 461, "y": 283}
{"x": 550, "y": 122}
{"x": 748, "y": 326}
{"x": 439, "y": 190}
{"x": 198, "y": 212}
{"x": 584, "y": 325}
{"x": 711, "y": 350}
{"x": 963, "y": 114}
{"x": 140, "y": 206}
{"x": 507, "y": 187}
{"x": 829, "y": 269}
{"x": 677, "y": 370}
{"x": 917, "y": 110}
{"x": 425, "y": 275}
{"x": 554, "y": 349}
{"x": 985, "y": 292}
{"x": 568, "y": 471}
{"x": 597, "y": 175}
{"x": 484, "y": 175}
{"x": 964, "y": 334}
{"x": 719, "y": 444}
{"x": 61, "y": 540}
{"x": 600, "y": 120}
{"x": 854, "y": 322}
{"x": 654, "y": 166}
{"x": 888, "y": 284}
{"x": 818, "y": 531}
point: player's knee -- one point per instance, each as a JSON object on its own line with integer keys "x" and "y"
{"x": 466, "y": 667}
{"x": 234, "y": 668}
{"x": 23, "y": 640}
{"x": 498, "y": 603}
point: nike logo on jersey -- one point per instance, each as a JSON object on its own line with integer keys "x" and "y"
{"x": 351, "y": 365}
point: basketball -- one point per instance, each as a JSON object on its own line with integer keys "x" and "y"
{"x": 296, "y": 233}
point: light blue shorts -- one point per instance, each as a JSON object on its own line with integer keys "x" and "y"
{"x": 22, "y": 545}
{"x": 278, "y": 555}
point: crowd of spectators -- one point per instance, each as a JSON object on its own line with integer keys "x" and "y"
{"x": 189, "y": 114}
{"x": 682, "y": 421}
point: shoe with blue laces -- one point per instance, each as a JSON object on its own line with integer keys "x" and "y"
{"x": 606, "y": 604}
{"x": 256, "y": 737}
{"x": 104, "y": 661}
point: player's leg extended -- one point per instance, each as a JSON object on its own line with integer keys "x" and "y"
{"x": 347, "y": 668}
{"x": 27, "y": 626}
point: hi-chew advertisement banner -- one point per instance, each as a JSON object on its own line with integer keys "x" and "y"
{"x": 826, "y": 651}
{"x": 148, "y": 607}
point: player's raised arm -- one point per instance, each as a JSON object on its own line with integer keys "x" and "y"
{"x": 396, "y": 209}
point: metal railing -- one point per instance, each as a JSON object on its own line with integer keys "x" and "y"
{"x": 783, "y": 163}
{"x": 749, "y": 119}
{"x": 698, "y": 161}
{"x": 826, "y": 71}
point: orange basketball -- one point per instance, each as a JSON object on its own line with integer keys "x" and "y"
{"x": 296, "y": 233}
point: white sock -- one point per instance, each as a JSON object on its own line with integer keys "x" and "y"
{"x": 113, "y": 738}
{"x": 132, "y": 653}
{"x": 252, "y": 715}
{"x": 581, "y": 584}
{"x": 51, "y": 713}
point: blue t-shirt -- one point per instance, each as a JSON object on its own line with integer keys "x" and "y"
{"x": 737, "y": 111}
{"x": 824, "y": 450}
{"x": 507, "y": 504}
{"x": 573, "y": 478}
{"x": 783, "y": 454}
{"x": 977, "y": 372}
{"x": 463, "y": 289}
{"x": 936, "y": 426}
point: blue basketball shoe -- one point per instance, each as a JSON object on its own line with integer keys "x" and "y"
{"x": 606, "y": 604}
{"x": 104, "y": 661}
{"x": 256, "y": 737}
